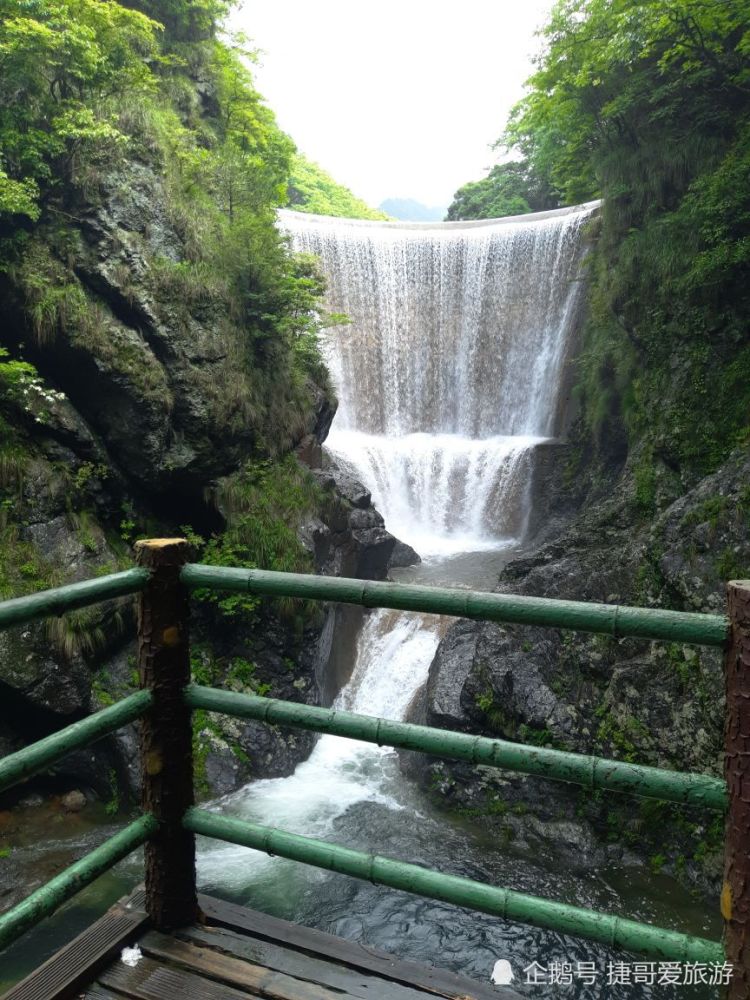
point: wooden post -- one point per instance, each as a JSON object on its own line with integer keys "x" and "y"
{"x": 166, "y": 733}
{"x": 735, "y": 895}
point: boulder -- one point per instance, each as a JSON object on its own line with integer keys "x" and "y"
{"x": 73, "y": 802}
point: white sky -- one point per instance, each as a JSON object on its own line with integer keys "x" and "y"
{"x": 399, "y": 98}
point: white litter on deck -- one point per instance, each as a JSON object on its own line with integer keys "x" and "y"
{"x": 131, "y": 956}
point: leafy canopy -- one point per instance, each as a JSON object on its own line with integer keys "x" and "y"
{"x": 58, "y": 62}
{"x": 508, "y": 189}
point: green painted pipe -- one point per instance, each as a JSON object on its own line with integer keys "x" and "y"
{"x": 50, "y": 603}
{"x": 613, "y": 931}
{"x": 591, "y": 772}
{"x": 38, "y": 756}
{"x": 610, "y": 619}
{"x": 49, "y": 897}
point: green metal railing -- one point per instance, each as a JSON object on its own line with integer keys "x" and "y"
{"x": 613, "y": 931}
{"x": 609, "y": 619}
{"x": 170, "y": 822}
{"x": 38, "y": 756}
{"x": 580, "y": 769}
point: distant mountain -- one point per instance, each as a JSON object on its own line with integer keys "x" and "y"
{"x": 410, "y": 210}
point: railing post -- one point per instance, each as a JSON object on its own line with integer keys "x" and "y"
{"x": 166, "y": 732}
{"x": 735, "y": 896}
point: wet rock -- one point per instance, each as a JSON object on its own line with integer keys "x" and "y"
{"x": 32, "y": 801}
{"x": 33, "y": 671}
{"x": 403, "y": 555}
{"x": 352, "y": 490}
{"x": 73, "y": 802}
{"x": 349, "y": 538}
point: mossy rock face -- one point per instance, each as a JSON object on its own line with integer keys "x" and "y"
{"x": 150, "y": 344}
{"x": 32, "y": 671}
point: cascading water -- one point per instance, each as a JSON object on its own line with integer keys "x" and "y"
{"x": 448, "y": 375}
{"x": 450, "y": 370}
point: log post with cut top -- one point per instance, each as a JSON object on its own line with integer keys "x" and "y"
{"x": 166, "y": 732}
{"x": 735, "y": 896}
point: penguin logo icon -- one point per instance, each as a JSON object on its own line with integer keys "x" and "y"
{"x": 502, "y": 973}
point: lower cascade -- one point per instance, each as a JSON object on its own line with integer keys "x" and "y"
{"x": 449, "y": 374}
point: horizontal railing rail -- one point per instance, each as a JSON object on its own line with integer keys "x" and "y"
{"x": 62, "y": 887}
{"x": 51, "y": 603}
{"x": 37, "y": 756}
{"x": 616, "y": 932}
{"x": 609, "y": 619}
{"x": 558, "y": 765}
{"x": 170, "y": 820}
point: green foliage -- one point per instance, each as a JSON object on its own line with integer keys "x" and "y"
{"x": 102, "y": 697}
{"x": 86, "y": 474}
{"x": 647, "y": 103}
{"x": 685, "y": 663}
{"x": 208, "y": 734}
{"x": 508, "y": 189}
{"x": 16, "y": 378}
{"x": 731, "y": 566}
{"x": 80, "y": 632}
{"x": 709, "y": 511}
{"x": 500, "y": 721}
{"x": 265, "y": 504}
{"x": 649, "y": 580}
{"x": 112, "y": 805}
{"x": 185, "y": 20}
{"x": 657, "y": 862}
{"x": 485, "y": 701}
{"x": 19, "y": 197}
{"x": 23, "y": 569}
{"x": 534, "y": 737}
{"x": 619, "y": 739}
{"x": 60, "y": 63}
{"x": 644, "y": 478}
{"x": 311, "y": 189}
{"x": 204, "y": 669}
{"x": 201, "y": 748}
{"x": 52, "y": 296}
{"x": 241, "y": 676}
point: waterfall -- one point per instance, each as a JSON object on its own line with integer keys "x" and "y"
{"x": 448, "y": 375}
{"x": 450, "y": 370}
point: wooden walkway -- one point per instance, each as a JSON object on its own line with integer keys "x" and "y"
{"x": 235, "y": 954}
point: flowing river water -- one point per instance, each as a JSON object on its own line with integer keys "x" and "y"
{"x": 450, "y": 372}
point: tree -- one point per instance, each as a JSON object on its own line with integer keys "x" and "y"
{"x": 185, "y": 20}
{"x": 508, "y": 189}
{"x": 60, "y": 63}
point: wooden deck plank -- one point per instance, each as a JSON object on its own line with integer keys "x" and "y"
{"x": 349, "y": 953}
{"x": 149, "y": 980}
{"x": 76, "y": 964}
{"x": 299, "y": 964}
{"x": 239, "y": 954}
{"x": 235, "y": 972}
